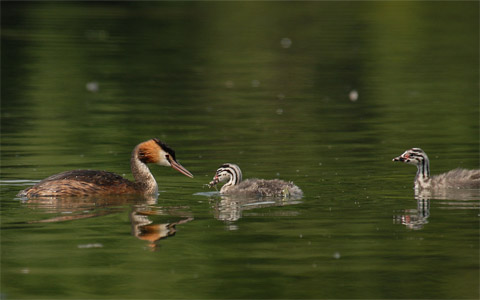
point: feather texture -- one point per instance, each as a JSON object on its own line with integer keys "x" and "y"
{"x": 454, "y": 179}
{"x": 232, "y": 174}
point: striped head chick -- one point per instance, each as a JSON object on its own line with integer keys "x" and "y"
{"x": 456, "y": 179}
{"x": 414, "y": 156}
{"x": 229, "y": 173}
{"x": 418, "y": 158}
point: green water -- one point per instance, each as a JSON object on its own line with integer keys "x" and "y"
{"x": 267, "y": 85}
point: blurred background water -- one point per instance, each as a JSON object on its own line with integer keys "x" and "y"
{"x": 321, "y": 93}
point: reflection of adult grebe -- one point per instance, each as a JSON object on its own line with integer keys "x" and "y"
{"x": 90, "y": 182}
{"x": 458, "y": 178}
{"x": 255, "y": 187}
{"x": 153, "y": 231}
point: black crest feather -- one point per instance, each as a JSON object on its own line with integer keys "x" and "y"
{"x": 166, "y": 148}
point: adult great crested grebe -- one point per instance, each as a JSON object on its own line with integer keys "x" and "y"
{"x": 457, "y": 178}
{"x": 252, "y": 187}
{"x": 91, "y": 182}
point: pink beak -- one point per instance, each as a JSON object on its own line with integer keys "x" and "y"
{"x": 214, "y": 181}
{"x": 180, "y": 168}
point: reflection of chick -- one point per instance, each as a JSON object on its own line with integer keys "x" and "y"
{"x": 415, "y": 218}
{"x": 253, "y": 187}
{"x": 458, "y": 178}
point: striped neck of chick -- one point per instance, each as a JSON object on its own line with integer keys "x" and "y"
{"x": 230, "y": 173}
{"x": 419, "y": 158}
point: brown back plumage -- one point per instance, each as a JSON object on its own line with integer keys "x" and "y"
{"x": 80, "y": 182}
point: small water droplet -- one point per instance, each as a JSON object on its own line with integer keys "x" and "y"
{"x": 93, "y": 245}
{"x": 98, "y": 35}
{"x": 353, "y": 95}
{"x": 92, "y": 86}
{"x": 336, "y": 255}
{"x": 285, "y": 43}
{"x": 279, "y": 111}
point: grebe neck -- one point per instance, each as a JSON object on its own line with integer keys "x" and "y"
{"x": 423, "y": 170}
{"x": 144, "y": 179}
{"x": 235, "y": 175}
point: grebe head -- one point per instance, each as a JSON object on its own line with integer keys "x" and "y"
{"x": 414, "y": 156}
{"x": 227, "y": 172}
{"x": 157, "y": 152}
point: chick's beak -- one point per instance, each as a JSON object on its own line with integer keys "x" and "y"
{"x": 399, "y": 158}
{"x": 180, "y": 168}
{"x": 214, "y": 181}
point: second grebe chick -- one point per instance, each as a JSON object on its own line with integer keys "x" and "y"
{"x": 457, "y": 178}
{"x": 91, "y": 182}
{"x": 232, "y": 174}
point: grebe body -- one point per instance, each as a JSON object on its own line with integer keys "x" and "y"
{"x": 92, "y": 182}
{"x": 232, "y": 175}
{"x": 456, "y": 179}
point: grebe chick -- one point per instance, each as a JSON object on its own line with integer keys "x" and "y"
{"x": 252, "y": 187}
{"x": 457, "y": 178}
{"x": 90, "y": 182}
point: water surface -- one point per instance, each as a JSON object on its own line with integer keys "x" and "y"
{"x": 320, "y": 93}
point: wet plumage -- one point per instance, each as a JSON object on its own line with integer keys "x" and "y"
{"x": 232, "y": 175}
{"x": 454, "y": 179}
{"x": 92, "y": 182}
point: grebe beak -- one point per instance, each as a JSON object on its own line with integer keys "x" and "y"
{"x": 214, "y": 181}
{"x": 399, "y": 158}
{"x": 179, "y": 167}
